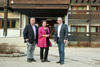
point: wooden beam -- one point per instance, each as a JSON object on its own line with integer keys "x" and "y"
{"x": 88, "y": 1}
{"x": 90, "y": 18}
{"x": 76, "y": 1}
{"x": 83, "y": 16}
{"x": 40, "y": 6}
{"x": 0, "y": 23}
{"x": 41, "y": 2}
{"x": 10, "y": 23}
{"x": 82, "y": 1}
{"x": 84, "y": 11}
{"x": 84, "y": 38}
{"x": 70, "y": 1}
{"x": 94, "y": 1}
{"x": 6, "y": 5}
{"x": 20, "y": 25}
{"x": 98, "y": 29}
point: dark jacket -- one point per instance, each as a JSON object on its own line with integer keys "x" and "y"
{"x": 29, "y": 33}
{"x": 63, "y": 33}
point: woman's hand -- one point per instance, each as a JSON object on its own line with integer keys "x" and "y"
{"x": 45, "y": 35}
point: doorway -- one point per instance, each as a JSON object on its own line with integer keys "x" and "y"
{"x": 51, "y": 23}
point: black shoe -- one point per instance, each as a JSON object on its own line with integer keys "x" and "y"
{"x": 46, "y": 61}
{"x": 42, "y": 60}
{"x": 62, "y": 62}
{"x": 29, "y": 60}
{"x": 33, "y": 60}
{"x": 58, "y": 62}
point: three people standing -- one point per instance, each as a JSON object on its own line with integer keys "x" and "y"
{"x": 32, "y": 36}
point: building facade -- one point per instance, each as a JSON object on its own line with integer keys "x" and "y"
{"x": 81, "y": 16}
{"x": 84, "y": 20}
{"x": 20, "y": 12}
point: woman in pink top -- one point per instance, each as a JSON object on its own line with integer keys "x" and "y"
{"x": 44, "y": 42}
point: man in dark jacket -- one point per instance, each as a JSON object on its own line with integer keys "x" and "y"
{"x": 60, "y": 37}
{"x": 31, "y": 38}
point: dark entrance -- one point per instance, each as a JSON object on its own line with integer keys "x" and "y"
{"x": 51, "y": 23}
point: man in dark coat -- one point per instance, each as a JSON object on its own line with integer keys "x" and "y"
{"x": 31, "y": 38}
{"x": 60, "y": 37}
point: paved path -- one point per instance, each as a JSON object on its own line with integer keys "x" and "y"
{"x": 75, "y": 57}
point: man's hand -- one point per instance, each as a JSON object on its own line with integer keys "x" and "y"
{"x": 26, "y": 39}
{"x": 55, "y": 42}
{"x": 64, "y": 41}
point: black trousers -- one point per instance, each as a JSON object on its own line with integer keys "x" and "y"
{"x": 42, "y": 54}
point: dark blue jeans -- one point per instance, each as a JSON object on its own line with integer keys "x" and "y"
{"x": 61, "y": 48}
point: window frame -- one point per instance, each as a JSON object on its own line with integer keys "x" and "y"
{"x": 77, "y": 28}
{"x": 10, "y": 27}
{"x": 77, "y": 8}
{"x": 98, "y": 8}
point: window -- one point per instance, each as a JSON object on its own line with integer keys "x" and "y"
{"x": 74, "y": 8}
{"x": 95, "y": 8}
{"x": 12, "y": 23}
{"x": 81, "y": 29}
{"x": 94, "y": 29}
{"x": 81, "y": 8}
{"x": 78, "y": 29}
{"x": 78, "y": 8}
{"x": 73, "y": 29}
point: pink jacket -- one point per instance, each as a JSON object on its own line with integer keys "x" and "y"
{"x": 41, "y": 39}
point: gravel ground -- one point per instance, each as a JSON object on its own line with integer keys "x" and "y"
{"x": 75, "y": 57}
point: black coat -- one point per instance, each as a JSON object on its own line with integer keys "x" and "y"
{"x": 63, "y": 33}
{"x": 28, "y": 33}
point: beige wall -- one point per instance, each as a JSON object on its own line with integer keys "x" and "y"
{"x": 14, "y": 32}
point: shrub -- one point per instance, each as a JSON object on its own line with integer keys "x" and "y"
{"x": 8, "y": 49}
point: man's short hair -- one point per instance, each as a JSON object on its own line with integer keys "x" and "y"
{"x": 59, "y": 17}
{"x": 32, "y": 18}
